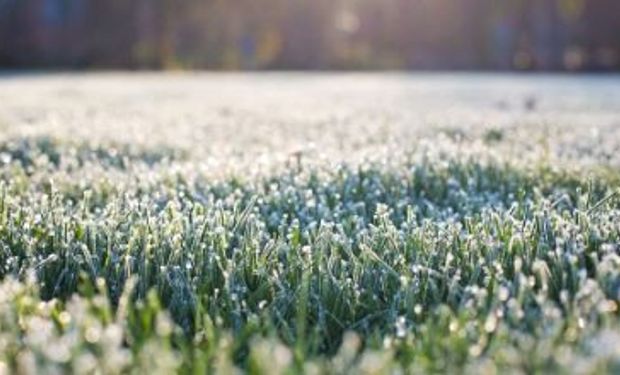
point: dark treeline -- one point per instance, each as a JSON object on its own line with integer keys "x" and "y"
{"x": 311, "y": 34}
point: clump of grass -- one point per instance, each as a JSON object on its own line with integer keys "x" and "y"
{"x": 427, "y": 264}
{"x": 493, "y": 136}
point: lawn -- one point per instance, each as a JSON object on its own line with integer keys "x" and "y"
{"x": 309, "y": 223}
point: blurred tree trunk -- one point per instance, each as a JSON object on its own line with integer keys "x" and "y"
{"x": 166, "y": 42}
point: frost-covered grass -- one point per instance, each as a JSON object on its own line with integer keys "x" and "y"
{"x": 474, "y": 248}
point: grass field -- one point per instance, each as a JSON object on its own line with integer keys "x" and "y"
{"x": 290, "y": 223}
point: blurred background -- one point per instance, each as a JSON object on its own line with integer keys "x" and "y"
{"x": 550, "y": 35}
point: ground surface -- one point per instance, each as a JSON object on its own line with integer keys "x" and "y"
{"x": 309, "y": 222}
